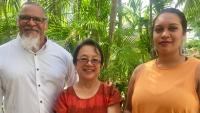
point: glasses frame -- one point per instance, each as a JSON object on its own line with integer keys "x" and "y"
{"x": 86, "y": 61}
{"x": 35, "y": 19}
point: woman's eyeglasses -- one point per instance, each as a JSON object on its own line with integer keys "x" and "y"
{"x": 94, "y": 61}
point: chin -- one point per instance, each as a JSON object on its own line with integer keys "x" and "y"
{"x": 89, "y": 77}
{"x": 30, "y": 42}
{"x": 166, "y": 52}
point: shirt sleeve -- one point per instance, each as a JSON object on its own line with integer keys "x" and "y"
{"x": 1, "y": 96}
{"x": 115, "y": 97}
{"x": 60, "y": 105}
{"x": 72, "y": 75}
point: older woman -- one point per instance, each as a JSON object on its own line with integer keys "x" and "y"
{"x": 169, "y": 83}
{"x": 88, "y": 95}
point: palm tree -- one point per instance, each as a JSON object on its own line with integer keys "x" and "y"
{"x": 8, "y": 14}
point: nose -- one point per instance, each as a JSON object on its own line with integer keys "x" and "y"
{"x": 89, "y": 62}
{"x": 31, "y": 22}
{"x": 165, "y": 34}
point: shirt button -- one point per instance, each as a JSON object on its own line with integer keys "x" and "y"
{"x": 38, "y": 85}
{"x": 40, "y": 101}
{"x": 37, "y": 69}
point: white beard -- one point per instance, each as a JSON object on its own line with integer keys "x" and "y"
{"x": 31, "y": 43}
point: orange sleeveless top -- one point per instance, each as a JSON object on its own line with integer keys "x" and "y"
{"x": 166, "y": 90}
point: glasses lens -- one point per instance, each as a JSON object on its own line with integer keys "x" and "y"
{"x": 24, "y": 17}
{"x": 35, "y": 19}
{"x": 86, "y": 60}
{"x": 95, "y": 61}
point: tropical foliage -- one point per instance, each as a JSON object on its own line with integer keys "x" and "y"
{"x": 122, "y": 29}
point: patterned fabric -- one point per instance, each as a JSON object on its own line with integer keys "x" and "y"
{"x": 69, "y": 102}
{"x": 169, "y": 90}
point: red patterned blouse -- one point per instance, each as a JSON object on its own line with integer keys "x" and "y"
{"x": 69, "y": 102}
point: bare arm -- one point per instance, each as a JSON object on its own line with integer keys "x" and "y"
{"x": 128, "y": 104}
{"x": 114, "y": 108}
{"x": 198, "y": 81}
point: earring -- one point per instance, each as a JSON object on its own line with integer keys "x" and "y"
{"x": 155, "y": 52}
{"x": 181, "y": 51}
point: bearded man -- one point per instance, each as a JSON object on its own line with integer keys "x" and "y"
{"x": 33, "y": 69}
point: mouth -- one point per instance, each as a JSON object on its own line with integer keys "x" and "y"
{"x": 164, "y": 43}
{"x": 88, "y": 70}
{"x": 31, "y": 30}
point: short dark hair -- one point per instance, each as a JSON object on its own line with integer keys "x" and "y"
{"x": 178, "y": 13}
{"x": 85, "y": 42}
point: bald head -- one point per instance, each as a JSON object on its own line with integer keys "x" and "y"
{"x": 33, "y": 4}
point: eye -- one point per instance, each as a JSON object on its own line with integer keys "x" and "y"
{"x": 34, "y": 18}
{"x": 24, "y": 17}
{"x": 158, "y": 29}
{"x": 95, "y": 61}
{"x": 172, "y": 28}
{"x": 38, "y": 19}
{"x": 83, "y": 59}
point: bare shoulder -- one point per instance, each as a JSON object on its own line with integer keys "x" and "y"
{"x": 134, "y": 76}
{"x": 136, "y": 72}
{"x": 198, "y": 67}
{"x": 198, "y": 72}
{"x": 198, "y": 80}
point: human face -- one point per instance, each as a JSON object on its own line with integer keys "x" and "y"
{"x": 32, "y": 21}
{"x": 168, "y": 34}
{"x": 88, "y": 63}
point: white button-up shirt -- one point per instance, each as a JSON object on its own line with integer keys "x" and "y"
{"x": 30, "y": 82}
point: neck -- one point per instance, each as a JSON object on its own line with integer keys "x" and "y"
{"x": 166, "y": 61}
{"x": 41, "y": 44}
{"x": 42, "y": 41}
{"x": 86, "y": 89}
{"x": 88, "y": 84}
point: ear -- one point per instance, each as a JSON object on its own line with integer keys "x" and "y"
{"x": 184, "y": 38}
{"x": 102, "y": 65}
{"x": 46, "y": 26}
{"x": 184, "y": 35}
{"x": 17, "y": 22}
{"x": 183, "y": 41}
{"x": 75, "y": 65}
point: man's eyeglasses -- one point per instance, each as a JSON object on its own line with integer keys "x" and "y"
{"x": 35, "y": 19}
{"x": 86, "y": 60}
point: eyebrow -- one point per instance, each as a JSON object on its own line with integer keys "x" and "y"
{"x": 171, "y": 24}
{"x": 96, "y": 56}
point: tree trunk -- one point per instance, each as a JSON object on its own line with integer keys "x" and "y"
{"x": 112, "y": 19}
{"x": 120, "y": 14}
{"x": 113, "y": 14}
{"x": 152, "y": 51}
